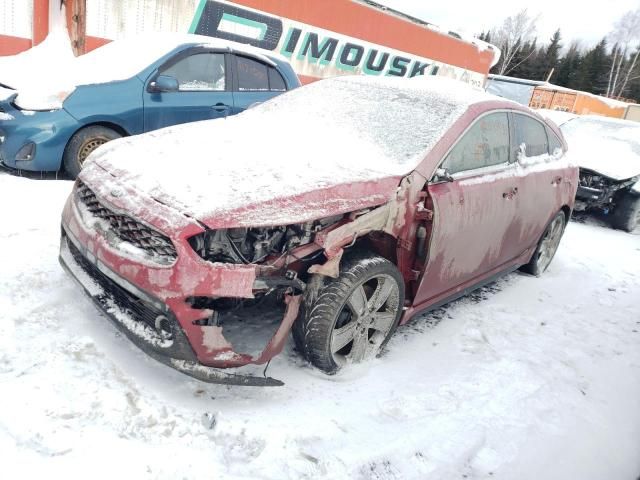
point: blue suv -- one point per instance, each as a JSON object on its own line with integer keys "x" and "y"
{"x": 129, "y": 87}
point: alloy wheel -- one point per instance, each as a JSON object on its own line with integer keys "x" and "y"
{"x": 550, "y": 243}
{"x": 365, "y": 320}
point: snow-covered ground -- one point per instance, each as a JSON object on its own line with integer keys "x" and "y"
{"x": 528, "y": 379}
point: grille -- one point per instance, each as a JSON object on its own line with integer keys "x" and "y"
{"x": 157, "y": 246}
{"x": 141, "y": 311}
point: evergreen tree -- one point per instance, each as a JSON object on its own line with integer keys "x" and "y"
{"x": 537, "y": 66}
{"x": 577, "y": 69}
{"x": 521, "y": 62}
{"x": 550, "y": 62}
{"x": 593, "y": 73}
{"x": 568, "y": 67}
{"x": 633, "y": 90}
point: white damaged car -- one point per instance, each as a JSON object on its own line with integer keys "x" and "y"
{"x": 608, "y": 153}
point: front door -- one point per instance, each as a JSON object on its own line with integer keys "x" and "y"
{"x": 203, "y": 92}
{"x": 475, "y": 228}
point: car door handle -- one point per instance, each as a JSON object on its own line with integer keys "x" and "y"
{"x": 221, "y": 107}
{"x": 510, "y": 194}
{"x": 556, "y": 181}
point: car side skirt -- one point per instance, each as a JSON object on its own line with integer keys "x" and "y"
{"x": 438, "y": 302}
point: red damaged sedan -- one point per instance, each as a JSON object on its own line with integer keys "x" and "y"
{"x": 346, "y": 206}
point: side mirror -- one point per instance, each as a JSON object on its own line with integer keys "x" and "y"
{"x": 164, "y": 83}
{"x": 443, "y": 175}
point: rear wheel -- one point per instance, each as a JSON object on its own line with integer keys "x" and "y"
{"x": 626, "y": 215}
{"x": 547, "y": 247}
{"x": 351, "y": 317}
{"x": 83, "y": 143}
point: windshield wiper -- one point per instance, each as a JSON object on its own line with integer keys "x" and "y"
{"x": 6, "y": 86}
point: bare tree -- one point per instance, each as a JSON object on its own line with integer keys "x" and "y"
{"x": 511, "y": 36}
{"x": 626, "y": 35}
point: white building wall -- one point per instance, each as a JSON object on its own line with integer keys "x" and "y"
{"x": 16, "y": 17}
{"x": 115, "y": 19}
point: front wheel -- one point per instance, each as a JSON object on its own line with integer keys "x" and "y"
{"x": 547, "y": 247}
{"x": 626, "y": 215}
{"x": 82, "y": 144}
{"x": 350, "y": 318}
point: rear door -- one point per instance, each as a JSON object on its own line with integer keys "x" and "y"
{"x": 204, "y": 90}
{"x": 544, "y": 180}
{"x": 474, "y": 228}
{"x": 254, "y": 82}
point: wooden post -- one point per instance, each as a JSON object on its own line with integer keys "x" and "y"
{"x": 40, "y": 21}
{"x": 550, "y": 75}
{"x": 77, "y": 20}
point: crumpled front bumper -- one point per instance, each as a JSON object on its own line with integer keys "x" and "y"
{"x": 116, "y": 298}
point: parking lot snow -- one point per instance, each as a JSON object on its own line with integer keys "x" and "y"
{"x": 529, "y": 378}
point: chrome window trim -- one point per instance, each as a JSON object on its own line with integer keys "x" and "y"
{"x": 479, "y": 172}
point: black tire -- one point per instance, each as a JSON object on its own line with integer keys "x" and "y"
{"x": 328, "y": 308}
{"x": 551, "y": 237}
{"x": 82, "y": 144}
{"x": 626, "y": 215}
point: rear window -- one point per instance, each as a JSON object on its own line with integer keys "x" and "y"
{"x": 531, "y": 134}
{"x": 276, "y": 82}
{"x": 252, "y": 75}
{"x": 554, "y": 142}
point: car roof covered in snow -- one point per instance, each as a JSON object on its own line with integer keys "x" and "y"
{"x": 604, "y": 145}
{"x": 129, "y": 56}
{"x": 118, "y": 60}
{"x": 336, "y": 131}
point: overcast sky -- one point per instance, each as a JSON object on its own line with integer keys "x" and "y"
{"x": 576, "y": 20}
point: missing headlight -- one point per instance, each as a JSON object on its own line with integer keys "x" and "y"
{"x": 253, "y": 245}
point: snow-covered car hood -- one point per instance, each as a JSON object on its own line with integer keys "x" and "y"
{"x": 327, "y": 148}
{"x": 6, "y": 93}
{"x": 556, "y": 116}
{"x": 45, "y": 75}
{"x": 606, "y": 146}
{"x": 39, "y": 75}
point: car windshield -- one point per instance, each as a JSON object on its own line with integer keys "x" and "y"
{"x": 609, "y": 129}
{"x": 368, "y": 112}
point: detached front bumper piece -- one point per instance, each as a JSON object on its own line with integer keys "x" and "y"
{"x": 146, "y": 321}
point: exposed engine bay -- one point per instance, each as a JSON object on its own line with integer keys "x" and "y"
{"x": 254, "y": 245}
{"x": 598, "y": 191}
